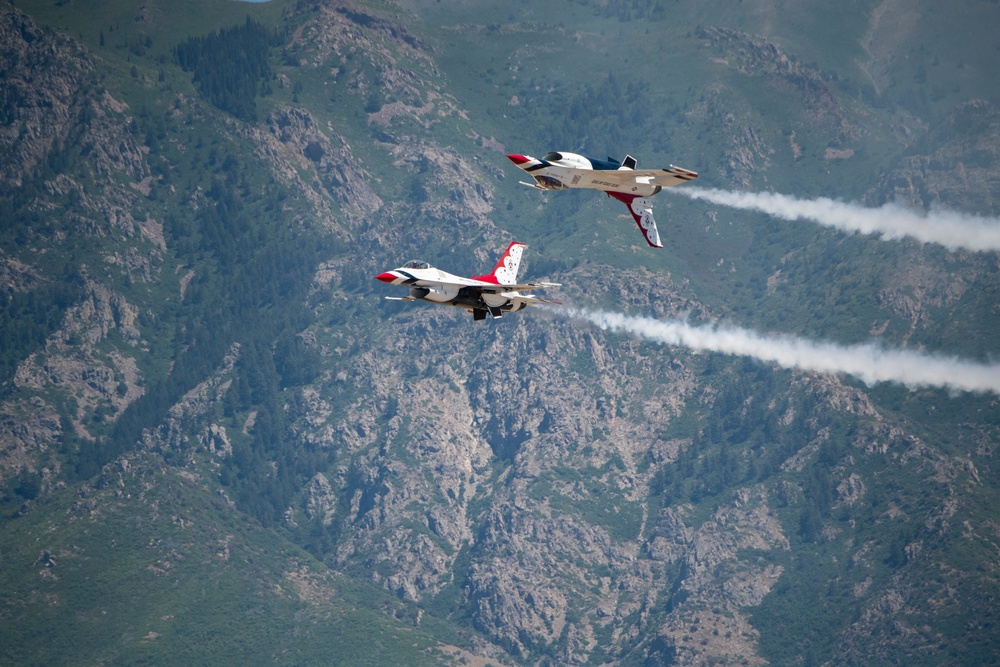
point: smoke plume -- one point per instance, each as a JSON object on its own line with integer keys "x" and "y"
{"x": 951, "y": 229}
{"x": 869, "y": 362}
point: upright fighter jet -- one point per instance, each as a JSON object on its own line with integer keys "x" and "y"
{"x": 621, "y": 180}
{"x": 493, "y": 294}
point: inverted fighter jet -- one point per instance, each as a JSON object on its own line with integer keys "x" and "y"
{"x": 621, "y": 180}
{"x": 493, "y": 294}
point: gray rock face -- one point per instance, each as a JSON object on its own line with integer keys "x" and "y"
{"x": 294, "y": 140}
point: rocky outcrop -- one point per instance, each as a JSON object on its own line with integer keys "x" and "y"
{"x": 103, "y": 383}
{"x": 55, "y": 111}
{"x": 337, "y": 32}
{"x": 960, "y": 171}
{"x": 188, "y": 414}
{"x": 554, "y": 554}
{"x": 294, "y": 143}
{"x": 458, "y": 187}
{"x": 754, "y": 55}
{"x": 414, "y": 518}
{"x": 717, "y": 582}
{"x": 40, "y": 92}
{"x": 321, "y": 500}
{"x": 215, "y": 439}
{"x": 16, "y": 276}
{"x": 29, "y": 430}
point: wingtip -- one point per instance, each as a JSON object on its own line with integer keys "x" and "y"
{"x": 684, "y": 172}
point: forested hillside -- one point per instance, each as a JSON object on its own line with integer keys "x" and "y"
{"x": 219, "y": 443}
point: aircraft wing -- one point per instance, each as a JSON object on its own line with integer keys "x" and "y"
{"x": 448, "y": 281}
{"x": 535, "y": 299}
{"x": 522, "y": 287}
{"x": 623, "y": 179}
{"x": 479, "y": 285}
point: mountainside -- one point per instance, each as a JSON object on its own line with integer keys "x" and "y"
{"x": 218, "y": 442}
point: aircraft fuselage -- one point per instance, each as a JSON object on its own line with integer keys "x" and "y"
{"x": 621, "y": 180}
{"x": 482, "y": 295}
{"x": 562, "y": 171}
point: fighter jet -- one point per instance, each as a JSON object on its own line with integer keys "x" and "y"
{"x": 493, "y": 294}
{"x": 621, "y": 180}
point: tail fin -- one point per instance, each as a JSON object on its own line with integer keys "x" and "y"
{"x": 505, "y": 272}
{"x": 628, "y": 163}
{"x": 641, "y": 209}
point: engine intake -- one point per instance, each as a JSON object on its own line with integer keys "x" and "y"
{"x": 436, "y": 293}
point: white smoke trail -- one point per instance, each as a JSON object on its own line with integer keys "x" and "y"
{"x": 951, "y": 229}
{"x": 869, "y": 362}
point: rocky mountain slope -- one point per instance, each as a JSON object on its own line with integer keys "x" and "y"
{"x": 217, "y": 436}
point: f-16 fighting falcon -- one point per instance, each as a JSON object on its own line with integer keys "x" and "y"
{"x": 493, "y": 294}
{"x": 621, "y": 180}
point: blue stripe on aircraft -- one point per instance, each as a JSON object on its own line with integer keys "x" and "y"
{"x": 604, "y": 165}
{"x": 412, "y": 278}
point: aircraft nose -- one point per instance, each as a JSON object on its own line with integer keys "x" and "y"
{"x": 386, "y": 277}
{"x": 518, "y": 159}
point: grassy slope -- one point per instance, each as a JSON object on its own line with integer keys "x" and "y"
{"x": 153, "y": 566}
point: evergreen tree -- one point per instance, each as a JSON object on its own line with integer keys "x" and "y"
{"x": 230, "y": 65}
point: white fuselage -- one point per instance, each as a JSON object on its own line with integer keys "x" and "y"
{"x": 562, "y": 178}
{"x": 447, "y": 289}
{"x": 490, "y": 294}
{"x": 621, "y": 180}
{"x": 576, "y": 171}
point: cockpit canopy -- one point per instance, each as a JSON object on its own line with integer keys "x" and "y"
{"x": 416, "y": 264}
{"x": 571, "y": 160}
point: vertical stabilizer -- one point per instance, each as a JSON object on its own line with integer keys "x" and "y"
{"x": 641, "y": 209}
{"x": 505, "y": 272}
